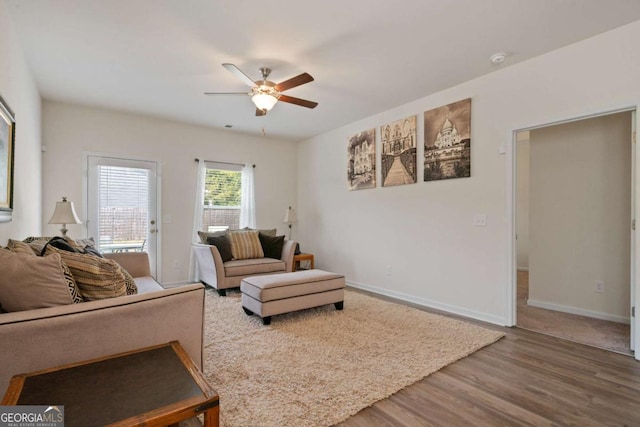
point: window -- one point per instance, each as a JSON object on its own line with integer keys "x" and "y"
{"x": 222, "y": 197}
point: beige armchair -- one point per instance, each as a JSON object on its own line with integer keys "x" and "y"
{"x": 211, "y": 271}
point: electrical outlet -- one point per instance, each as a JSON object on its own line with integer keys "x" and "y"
{"x": 599, "y": 287}
{"x": 480, "y": 220}
{"x": 387, "y": 270}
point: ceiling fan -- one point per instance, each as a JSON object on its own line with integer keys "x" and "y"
{"x": 265, "y": 93}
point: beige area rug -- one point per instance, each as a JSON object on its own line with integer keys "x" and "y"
{"x": 585, "y": 330}
{"x": 317, "y": 367}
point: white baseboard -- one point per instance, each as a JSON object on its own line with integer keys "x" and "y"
{"x": 477, "y": 315}
{"x": 578, "y": 311}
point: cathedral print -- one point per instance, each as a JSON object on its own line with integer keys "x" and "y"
{"x": 361, "y": 160}
{"x": 398, "y": 159}
{"x": 447, "y": 141}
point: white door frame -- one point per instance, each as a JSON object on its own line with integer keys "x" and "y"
{"x": 511, "y": 159}
{"x": 85, "y": 190}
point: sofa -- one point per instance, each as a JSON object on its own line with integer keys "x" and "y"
{"x": 212, "y": 271}
{"x": 45, "y": 337}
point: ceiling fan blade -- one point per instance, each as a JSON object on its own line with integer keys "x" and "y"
{"x": 260, "y": 112}
{"x": 239, "y": 74}
{"x": 297, "y": 101}
{"x": 294, "y": 81}
{"x": 226, "y": 93}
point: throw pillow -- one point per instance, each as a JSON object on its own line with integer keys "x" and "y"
{"x": 130, "y": 283}
{"x": 86, "y": 246}
{"x": 60, "y": 243}
{"x": 97, "y": 278}
{"x": 268, "y": 231}
{"x": 245, "y": 245}
{"x": 30, "y": 282}
{"x": 224, "y": 246}
{"x": 271, "y": 246}
{"x": 19, "y": 247}
{"x": 204, "y": 235}
{"x": 37, "y": 243}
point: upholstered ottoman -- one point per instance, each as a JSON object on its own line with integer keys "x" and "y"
{"x": 273, "y": 294}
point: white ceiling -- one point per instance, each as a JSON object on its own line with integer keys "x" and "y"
{"x": 157, "y": 57}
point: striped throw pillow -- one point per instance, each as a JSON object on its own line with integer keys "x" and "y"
{"x": 245, "y": 245}
{"x": 97, "y": 278}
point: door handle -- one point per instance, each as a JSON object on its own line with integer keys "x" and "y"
{"x": 153, "y": 231}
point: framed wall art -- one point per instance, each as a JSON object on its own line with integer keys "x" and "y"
{"x": 398, "y": 157}
{"x": 7, "y": 148}
{"x": 361, "y": 160}
{"x": 447, "y": 141}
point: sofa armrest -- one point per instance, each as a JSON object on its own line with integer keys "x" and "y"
{"x": 47, "y": 337}
{"x": 136, "y": 263}
{"x": 288, "y": 251}
{"x": 209, "y": 265}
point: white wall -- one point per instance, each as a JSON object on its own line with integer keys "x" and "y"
{"x": 580, "y": 214}
{"x": 70, "y": 130}
{"x": 18, "y": 89}
{"x": 424, "y": 231}
{"x": 522, "y": 202}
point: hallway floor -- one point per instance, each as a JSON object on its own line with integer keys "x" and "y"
{"x": 586, "y": 330}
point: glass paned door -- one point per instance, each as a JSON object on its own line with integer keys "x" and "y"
{"x": 121, "y": 201}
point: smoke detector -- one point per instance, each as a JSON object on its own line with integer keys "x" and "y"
{"x": 498, "y": 58}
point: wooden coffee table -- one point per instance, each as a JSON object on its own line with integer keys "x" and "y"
{"x": 154, "y": 386}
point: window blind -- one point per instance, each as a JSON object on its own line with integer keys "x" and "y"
{"x": 123, "y": 204}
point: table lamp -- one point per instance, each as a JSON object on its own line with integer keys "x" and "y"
{"x": 64, "y": 214}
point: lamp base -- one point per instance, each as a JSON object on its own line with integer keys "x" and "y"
{"x": 64, "y": 230}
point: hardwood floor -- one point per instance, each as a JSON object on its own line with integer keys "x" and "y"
{"x": 526, "y": 378}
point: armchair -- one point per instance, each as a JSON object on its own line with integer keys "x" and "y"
{"x": 221, "y": 276}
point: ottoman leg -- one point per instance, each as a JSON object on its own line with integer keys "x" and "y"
{"x": 339, "y": 305}
{"x": 247, "y": 311}
{"x": 266, "y": 320}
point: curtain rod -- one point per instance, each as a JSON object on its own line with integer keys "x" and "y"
{"x": 224, "y": 163}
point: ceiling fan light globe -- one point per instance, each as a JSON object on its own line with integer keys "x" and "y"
{"x": 264, "y": 101}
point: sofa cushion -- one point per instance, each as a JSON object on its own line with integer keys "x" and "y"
{"x": 224, "y": 246}
{"x": 97, "y": 278}
{"x": 146, "y": 284}
{"x": 245, "y": 245}
{"x": 30, "y": 282}
{"x": 19, "y": 247}
{"x": 246, "y": 267}
{"x": 271, "y": 246}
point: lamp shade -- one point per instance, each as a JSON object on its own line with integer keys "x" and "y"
{"x": 264, "y": 101}
{"x": 290, "y": 215}
{"x": 64, "y": 213}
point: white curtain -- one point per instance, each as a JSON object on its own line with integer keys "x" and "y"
{"x": 197, "y": 217}
{"x": 247, "y": 198}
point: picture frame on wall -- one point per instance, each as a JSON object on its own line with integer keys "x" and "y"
{"x": 399, "y": 157}
{"x": 361, "y": 160}
{"x": 447, "y": 141}
{"x": 7, "y": 150}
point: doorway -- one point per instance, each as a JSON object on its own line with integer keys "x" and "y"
{"x": 122, "y": 208}
{"x": 574, "y": 250}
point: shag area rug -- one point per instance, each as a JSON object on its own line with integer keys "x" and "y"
{"x": 318, "y": 367}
